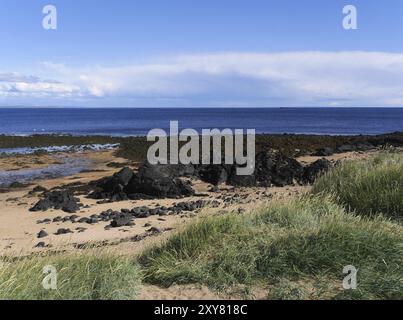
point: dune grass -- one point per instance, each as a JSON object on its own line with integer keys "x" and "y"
{"x": 298, "y": 249}
{"x": 367, "y": 187}
{"x": 79, "y": 277}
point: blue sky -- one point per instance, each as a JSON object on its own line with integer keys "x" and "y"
{"x": 145, "y": 53}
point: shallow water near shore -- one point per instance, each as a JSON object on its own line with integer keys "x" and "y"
{"x": 54, "y": 149}
{"x": 68, "y": 166}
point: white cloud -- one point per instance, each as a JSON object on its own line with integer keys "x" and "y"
{"x": 273, "y": 79}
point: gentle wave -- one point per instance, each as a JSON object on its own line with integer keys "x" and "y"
{"x": 55, "y": 149}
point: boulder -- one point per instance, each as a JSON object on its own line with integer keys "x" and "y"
{"x": 151, "y": 181}
{"x": 116, "y": 183}
{"x": 42, "y": 234}
{"x": 313, "y": 171}
{"x": 62, "y": 231}
{"x": 59, "y": 200}
{"x": 159, "y": 187}
{"x": 122, "y": 220}
{"x": 271, "y": 168}
{"x": 213, "y": 174}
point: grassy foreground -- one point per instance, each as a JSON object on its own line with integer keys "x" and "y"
{"x": 293, "y": 250}
{"x": 79, "y": 277}
{"x": 297, "y": 249}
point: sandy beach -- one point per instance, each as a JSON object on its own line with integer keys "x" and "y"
{"x": 19, "y": 227}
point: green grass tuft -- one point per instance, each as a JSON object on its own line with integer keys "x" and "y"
{"x": 79, "y": 277}
{"x": 309, "y": 238}
{"x": 369, "y": 187}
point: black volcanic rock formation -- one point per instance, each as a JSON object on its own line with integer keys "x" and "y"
{"x": 63, "y": 200}
{"x": 272, "y": 168}
{"x": 151, "y": 181}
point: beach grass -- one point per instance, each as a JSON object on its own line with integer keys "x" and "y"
{"x": 370, "y": 187}
{"x": 296, "y": 250}
{"x": 80, "y": 276}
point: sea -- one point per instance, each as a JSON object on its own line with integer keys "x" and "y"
{"x": 138, "y": 122}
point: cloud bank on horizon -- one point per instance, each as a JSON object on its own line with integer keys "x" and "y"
{"x": 288, "y": 79}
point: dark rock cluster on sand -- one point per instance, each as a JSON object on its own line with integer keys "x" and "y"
{"x": 63, "y": 200}
{"x": 165, "y": 181}
{"x": 125, "y": 217}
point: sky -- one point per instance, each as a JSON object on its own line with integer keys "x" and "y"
{"x": 201, "y": 53}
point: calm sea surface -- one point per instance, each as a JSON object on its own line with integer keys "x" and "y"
{"x": 124, "y": 122}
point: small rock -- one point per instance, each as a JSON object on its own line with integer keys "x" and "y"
{"x": 42, "y": 234}
{"x": 40, "y": 245}
{"x": 62, "y": 231}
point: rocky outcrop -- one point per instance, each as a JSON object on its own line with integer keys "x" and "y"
{"x": 150, "y": 181}
{"x": 272, "y": 168}
{"x": 59, "y": 200}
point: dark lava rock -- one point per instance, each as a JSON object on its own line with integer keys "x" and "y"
{"x": 214, "y": 174}
{"x": 192, "y": 205}
{"x": 151, "y": 181}
{"x": 271, "y": 168}
{"x": 42, "y": 234}
{"x": 159, "y": 186}
{"x": 116, "y": 183}
{"x": 40, "y": 245}
{"x": 63, "y": 200}
{"x": 122, "y": 221}
{"x": 66, "y": 219}
{"x": 325, "y": 152}
{"x": 62, "y": 231}
{"x": 313, "y": 171}
{"x": 84, "y": 220}
{"x": 150, "y": 171}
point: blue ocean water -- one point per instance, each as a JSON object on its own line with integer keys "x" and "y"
{"x": 125, "y": 122}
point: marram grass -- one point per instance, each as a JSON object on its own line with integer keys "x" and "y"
{"x": 84, "y": 276}
{"x": 310, "y": 238}
{"x": 370, "y": 187}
